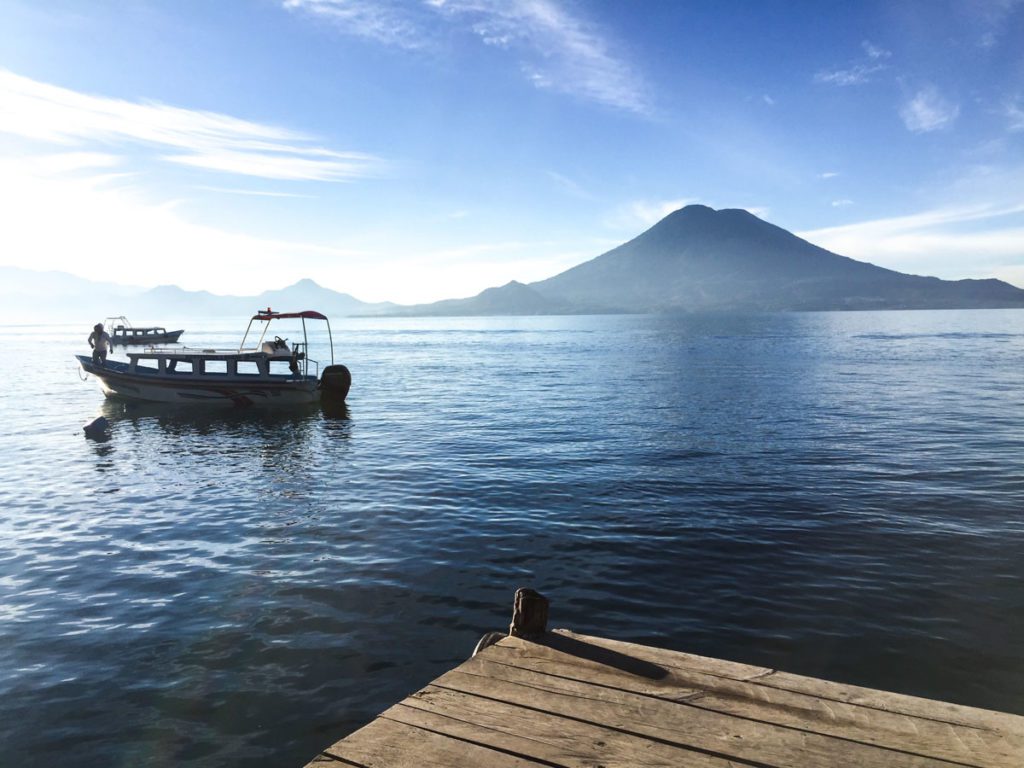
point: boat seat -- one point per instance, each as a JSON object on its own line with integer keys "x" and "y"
{"x": 275, "y": 350}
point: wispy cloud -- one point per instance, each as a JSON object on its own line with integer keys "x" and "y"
{"x": 391, "y": 23}
{"x": 841, "y": 203}
{"x": 555, "y": 49}
{"x": 645, "y": 213}
{"x": 926, "y": 219}
{"x": 50, "y": 114}
{"x": 828, "y": 175}
{"x": 874, "y": 52}
{"x": 858, "y": 71}
{"x": 987, "y": 18}
{"x": 953, "y": 242}
{"x": 1014, "y": 114}
{"x": 928, "y": 110}
{"x": 569, "y": 186}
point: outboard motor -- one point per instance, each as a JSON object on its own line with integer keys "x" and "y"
{"x": 335, "y": 382}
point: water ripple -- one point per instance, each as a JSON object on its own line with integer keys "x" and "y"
{"x": 832, "y": 494}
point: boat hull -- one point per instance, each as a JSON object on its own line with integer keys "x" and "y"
{"x": 118, "y": 381}
{"x": 171, "y": 337}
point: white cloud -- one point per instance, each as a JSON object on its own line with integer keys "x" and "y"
{"x": 841, "y": 203}
{"x": 70, "y": 162}
{"x": 109, "y": 231}
{"x": 951, "y": 242}
{"x": 560, "y": 51}
{"x": 250, "y": 192}
{"x": 341, "y": 167}
{"x": 556, "y": 50}
{"x": 928, "y": 111}
{"x": 390, "y": 23}
{"x": 828, "y": 175}
{"x": 50, "y": 114}
{"x": 855, "y": 75}
{"x": 927, "y": 219}
{"x": 768, "y": 100}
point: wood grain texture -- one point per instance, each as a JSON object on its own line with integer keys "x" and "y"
{"x": 580, "y": 702}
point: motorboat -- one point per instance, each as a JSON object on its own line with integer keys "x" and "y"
{"x": 268, "y": 372}
{"x": 124, "y": 333}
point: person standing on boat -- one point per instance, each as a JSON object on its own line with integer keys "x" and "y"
{"x": 100, "y": 342}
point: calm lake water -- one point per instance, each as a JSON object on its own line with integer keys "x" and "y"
{"x": 834, "y": 494}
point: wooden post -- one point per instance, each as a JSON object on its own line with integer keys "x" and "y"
{"x": 529, "y": 614}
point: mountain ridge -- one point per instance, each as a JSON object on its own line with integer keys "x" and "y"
{"x": 695, "y": 259}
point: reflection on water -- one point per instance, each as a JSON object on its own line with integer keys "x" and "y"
{"x": 207, "y": 420}
{"x": 832, "y": 494}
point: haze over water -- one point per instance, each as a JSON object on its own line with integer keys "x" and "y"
{"x": 833, "y": 494}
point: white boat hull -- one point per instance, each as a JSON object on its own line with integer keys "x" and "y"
{"x": 118, "y": 382}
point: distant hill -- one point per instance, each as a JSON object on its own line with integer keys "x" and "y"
{"x": 698, "y": 259}
{"x": 310, "y": 295}
{"x": 31, "y": 296}
{"x": 305, "y": 294}
{"x": 513, "y": 298}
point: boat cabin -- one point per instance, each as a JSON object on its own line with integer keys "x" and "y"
{"x": 283, "y": 363}
{"x": 127, "y": 332}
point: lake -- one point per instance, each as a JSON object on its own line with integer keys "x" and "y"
{"x": 833, "y": 494}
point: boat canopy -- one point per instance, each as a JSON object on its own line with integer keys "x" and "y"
{"x": 268, "y": 314}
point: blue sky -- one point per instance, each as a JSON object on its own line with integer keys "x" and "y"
{"x": 420, "y": 150}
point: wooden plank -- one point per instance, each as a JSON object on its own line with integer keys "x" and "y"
{"x": 551, "y": 741}
{"x": 542, "y": 668}
{"x": 658, "y": 659}
{"x": 932, "y": 709}
{"x": 636, "y": 716}
{"x": 393, "y": 744}
{"x": 866, "y": 697}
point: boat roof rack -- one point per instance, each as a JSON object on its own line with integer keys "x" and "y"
{"x": 268, "y": 314}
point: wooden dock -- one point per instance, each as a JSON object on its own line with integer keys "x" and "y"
{"x": 564, "y": 699}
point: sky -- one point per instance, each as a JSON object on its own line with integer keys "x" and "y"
{"x": 419, "y": 150}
